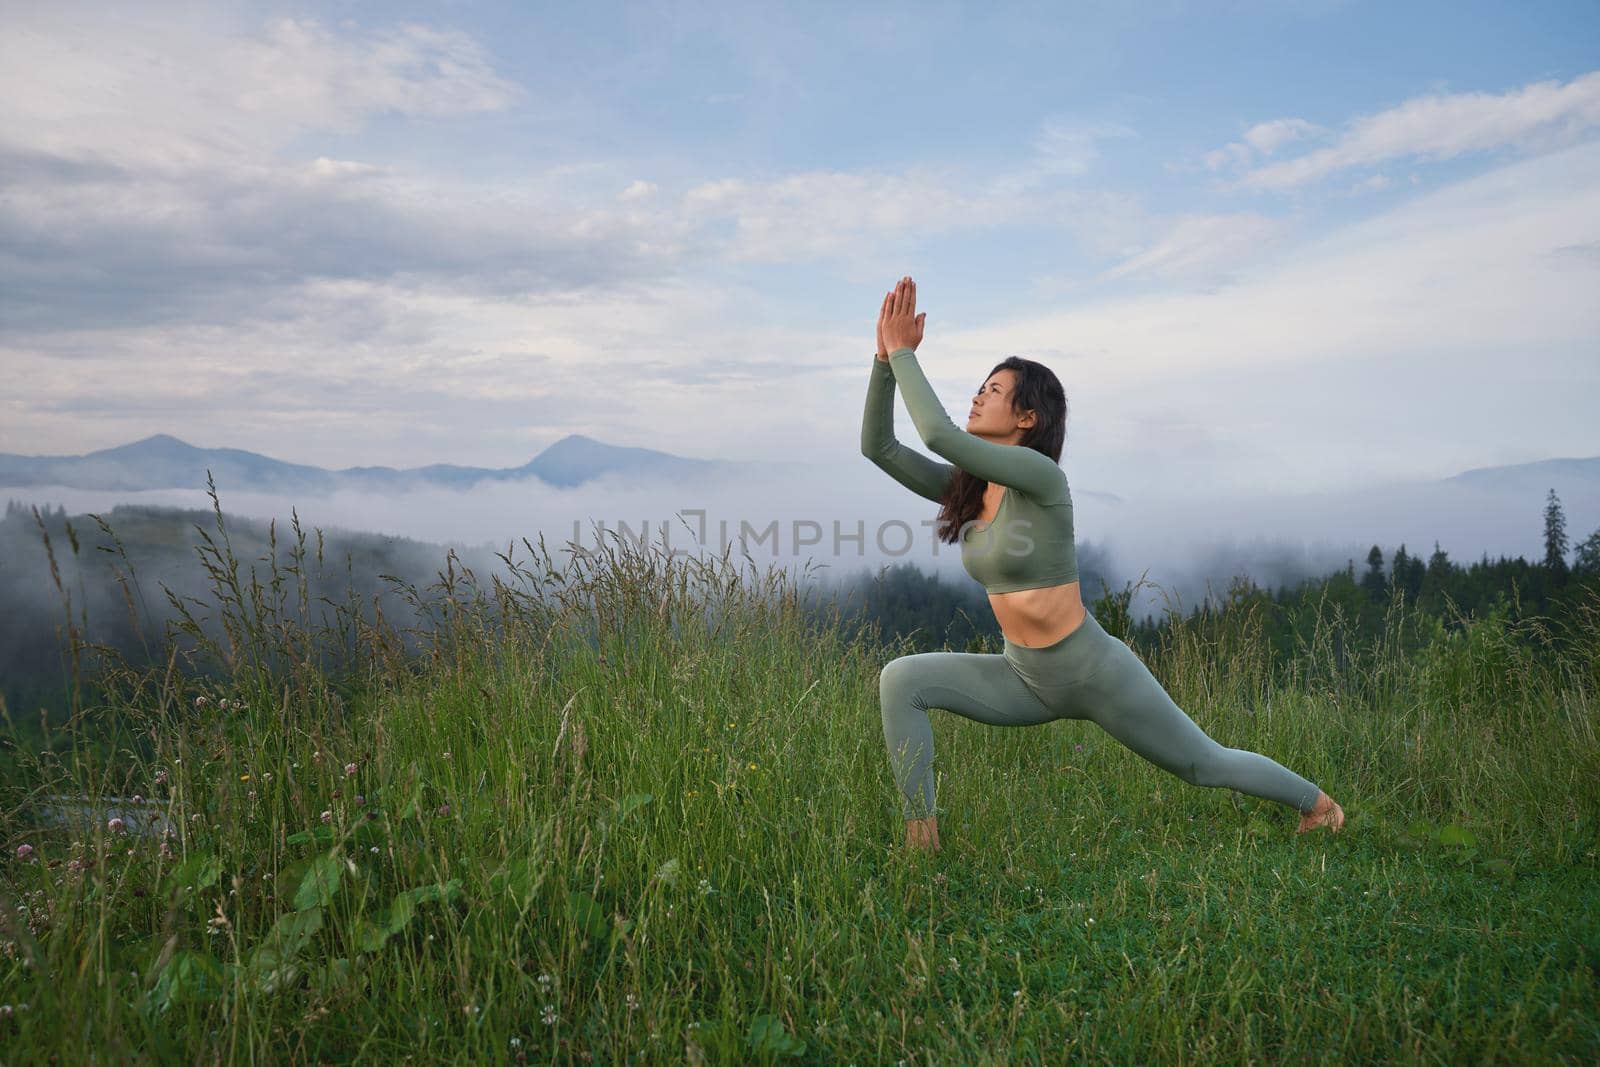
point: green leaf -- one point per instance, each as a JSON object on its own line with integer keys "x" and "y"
{"x": 519, "y": 879}
{"x": 272, "y": 965}
{"x": 767, "y": 1035}
{"x": 1456, "y": 835}
{"x": 402, "y": 909}
{"x": 321, "y": 882}
{"x": 317, "y": 835}
{"x": 631, "y": 801}
{"x": 293, "y": 930}
{"x": 369, "y": 936}
{"x": 332, "y": 976}
{"x": 587, "y": 915}
{"x": 200, "y": 870}
{"x": 187, "y": 976}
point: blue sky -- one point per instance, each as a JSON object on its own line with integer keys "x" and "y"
{"x": 1270, "y": 245}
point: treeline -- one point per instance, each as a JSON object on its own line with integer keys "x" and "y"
{"x": 1435, "y": 594}
{"x": 127, "y": 582}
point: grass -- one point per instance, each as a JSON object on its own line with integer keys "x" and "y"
{"x": 638, "y": 809}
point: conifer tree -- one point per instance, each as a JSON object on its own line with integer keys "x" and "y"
{"x": 1373, "y": 580}
{"x": 1555, "y": 537}
{"x": 1587, "y": 562}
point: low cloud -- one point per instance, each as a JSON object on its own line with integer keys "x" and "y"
{"x": 1439, "y": 126}
{"x": 1202, "y": 247}
{"x": 1262, "y": 139}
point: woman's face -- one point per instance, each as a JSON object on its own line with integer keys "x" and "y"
{"x": 991, "y": 415}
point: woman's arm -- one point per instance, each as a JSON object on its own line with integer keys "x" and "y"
{"x": 923, "y": 476}
{"x": 1025, "y": 469}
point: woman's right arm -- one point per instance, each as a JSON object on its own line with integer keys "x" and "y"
{"x": 923, "y": 476}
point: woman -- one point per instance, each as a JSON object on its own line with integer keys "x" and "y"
{"x": 1058, "y": 662}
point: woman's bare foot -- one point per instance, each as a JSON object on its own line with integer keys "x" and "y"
{"x": 923, "y": 833}
{"x": 1324, "y": 813}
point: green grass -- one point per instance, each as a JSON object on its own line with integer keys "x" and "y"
{"x": 647, "y": 817}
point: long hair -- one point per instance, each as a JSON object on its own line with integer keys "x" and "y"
{"x": 1038, "y": 389}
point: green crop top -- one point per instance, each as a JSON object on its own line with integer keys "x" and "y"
{"x": 1030, "y": 542}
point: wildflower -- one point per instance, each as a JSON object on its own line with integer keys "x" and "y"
{"x": 223, "y": 704}
{"x": 752, "y": 766}
{"x": 349, "y": 769}
{"x": 24, "y": 851}
{"x": 360, "y": 800}
{"x": 632, "y": 1002}
{"x": 516, "y": 1042}
{"x": 544, "y": 983}
{"x": 327, "y": 816}
{"x": 267, "y": 777}
{"x": 114, "y": 823}
{"x": 374, "y": 848}
{"x": 250, "y": 795}
{"x": 200, "y": 702}
{"x": 161, "y": 777}
{"x": 244, "y": 778}
{"x": 137, "y": 799}
{"x": 549, "y": 1015}
{"x": 195, "y": 817}
{"x": 446, "y": 755}
{"x": 705, "y": 888}
{"x": 444, "y": 809}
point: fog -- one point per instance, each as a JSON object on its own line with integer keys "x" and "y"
{"x": 841, "y": 517}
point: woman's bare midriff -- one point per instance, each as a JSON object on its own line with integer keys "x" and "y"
{"x": 1033, "y": 618}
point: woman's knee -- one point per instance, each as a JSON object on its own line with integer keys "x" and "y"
{"x": 897, "y": 679}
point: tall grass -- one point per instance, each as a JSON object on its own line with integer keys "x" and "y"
{"x": 635, "y": 807}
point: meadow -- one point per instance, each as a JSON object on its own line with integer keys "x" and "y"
{"x": 637, "y": 809}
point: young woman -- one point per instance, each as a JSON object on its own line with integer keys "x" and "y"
{"x": 1058, "y": 662}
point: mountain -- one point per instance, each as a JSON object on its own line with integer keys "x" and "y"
{"x": 1542, "y": 475}
{"x": 164, "y": 462}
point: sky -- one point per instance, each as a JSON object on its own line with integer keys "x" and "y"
{"x": 1274, "y": 246}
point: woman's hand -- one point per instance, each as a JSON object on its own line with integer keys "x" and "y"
{"x": 883, "y": 353}
{"x": 899, "y": 325}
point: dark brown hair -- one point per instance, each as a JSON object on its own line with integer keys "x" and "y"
{"x": 1037, "y": 389}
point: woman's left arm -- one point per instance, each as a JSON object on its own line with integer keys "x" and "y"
{"x": 1022, "y": 468}
{"x": 1025, "y": 469}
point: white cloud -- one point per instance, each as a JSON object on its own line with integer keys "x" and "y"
{"x": 1267, "y": 137}
{"x": 1441, "y": 126}
{"x": 1263, "y": 138}
{"x": 1467, "y": 280}
{"x": 161, "y": 92}
{"x": 1068, "y": 146}
{"x": 1200, "y": 246}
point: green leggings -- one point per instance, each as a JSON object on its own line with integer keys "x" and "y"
{"x": 1088, "y": 674}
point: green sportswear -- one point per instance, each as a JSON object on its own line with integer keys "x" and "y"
{"x": 1030, "y": 543}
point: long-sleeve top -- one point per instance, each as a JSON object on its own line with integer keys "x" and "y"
{"x": 1030, "y": 541}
